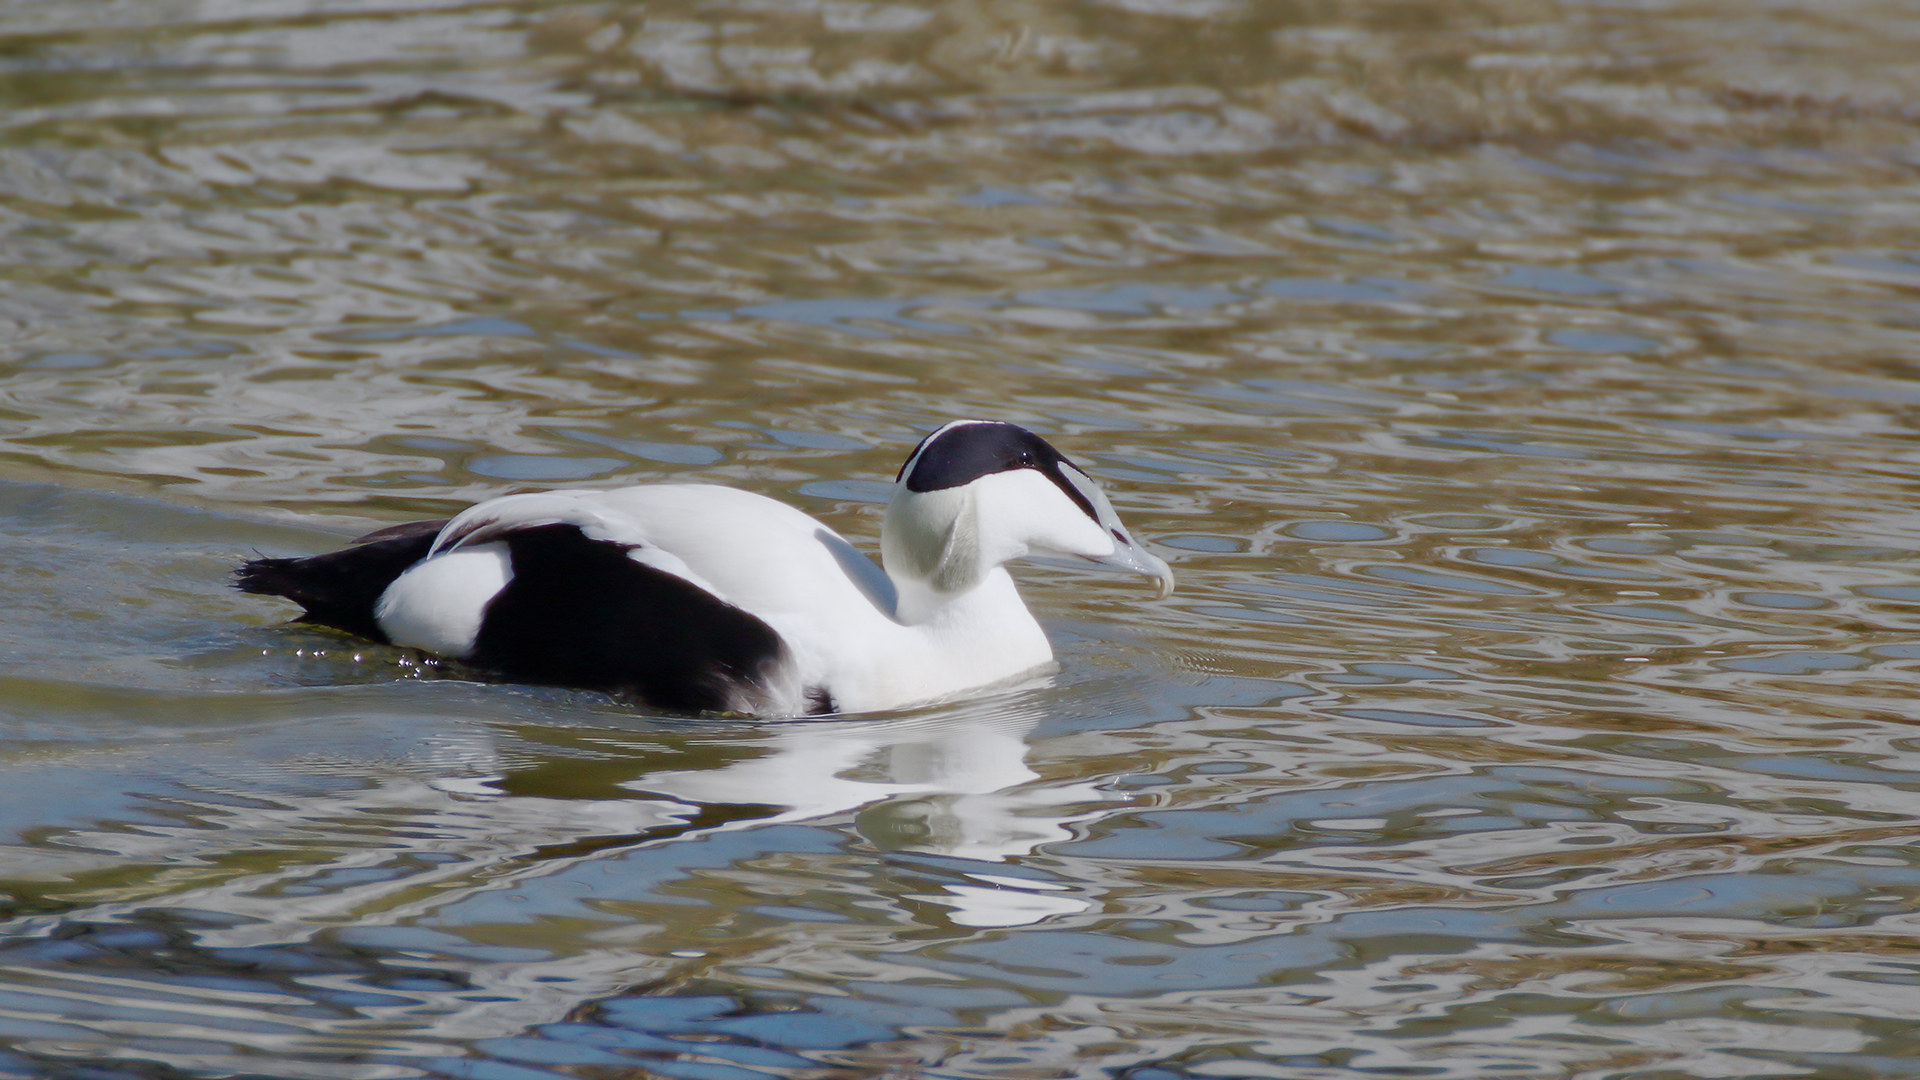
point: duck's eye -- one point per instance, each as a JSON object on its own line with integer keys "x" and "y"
{"x": 1026, "y": 457}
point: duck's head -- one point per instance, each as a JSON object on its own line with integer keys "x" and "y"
{"x": 978, "y": 493}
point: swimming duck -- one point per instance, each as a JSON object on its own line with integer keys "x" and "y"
{"x": 699, "y": 598}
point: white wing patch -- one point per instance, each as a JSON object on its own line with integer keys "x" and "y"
{"x": 495, "y": 518}
{"x": 438, "y": 604}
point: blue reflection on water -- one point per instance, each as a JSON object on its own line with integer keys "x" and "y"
{"x": 1600, "y": 341}
{"x": 848, "y": 315}
{"x": 866, "y": 491}
{"x": 1555, "y": 280}
{"x": 483, "y": 326}
{"x": 1366, "y": 291}
{"x": 996, "y": 196}
{"x": 1408, "y": 716}
{"x": 66, "y": 361}
{"x": 671, "y": 453}
{"x": 541, "y": 466}
{"x": 1341, "y": 531}
{"x": 1498, "y": 443}
{"x": 1132, "y": 299}
{"x": 1793, "y": 663}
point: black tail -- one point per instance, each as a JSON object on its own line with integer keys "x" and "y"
{"x": 340, "y": 588}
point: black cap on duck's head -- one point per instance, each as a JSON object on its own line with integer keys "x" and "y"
{"x": 966, "y": 450}
{"x": 978, "y": 493}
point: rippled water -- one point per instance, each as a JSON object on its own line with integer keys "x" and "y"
{"x": 1525, "y": 393}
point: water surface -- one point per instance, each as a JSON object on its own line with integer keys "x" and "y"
{"x": 1525, "y": 394}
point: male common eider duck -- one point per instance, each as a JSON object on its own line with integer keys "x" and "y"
{"x": 698, "y": 598}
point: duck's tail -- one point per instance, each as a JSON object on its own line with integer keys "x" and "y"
{"x": 341, "y": 588}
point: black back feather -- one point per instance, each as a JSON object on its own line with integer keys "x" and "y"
{"x": 340, "y": 588}
{"x": 581, "y": 612}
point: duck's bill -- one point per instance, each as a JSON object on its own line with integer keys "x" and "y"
{"x": 1130, "y": 558}
{"x": 1127, "y": 555}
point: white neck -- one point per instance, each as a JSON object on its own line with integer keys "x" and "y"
{"x": 929, "y": 544}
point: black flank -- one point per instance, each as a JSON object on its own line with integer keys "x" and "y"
{"x": 580, "y": 612}
{"x": 339, "y": 589}
{"x": 964, "y": 454}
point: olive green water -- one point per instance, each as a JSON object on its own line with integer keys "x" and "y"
{"x": 1525, "y": 394}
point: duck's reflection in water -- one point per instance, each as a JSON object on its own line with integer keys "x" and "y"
{"x": 953, "y": 782}
{"x": 578, "y": 825}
